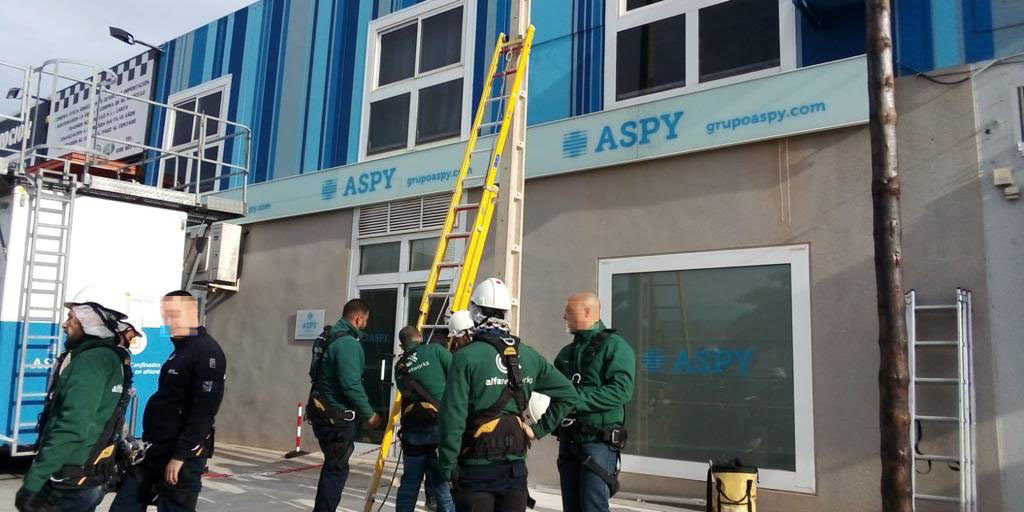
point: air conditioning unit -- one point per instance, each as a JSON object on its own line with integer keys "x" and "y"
{"x": 218, "y": 251}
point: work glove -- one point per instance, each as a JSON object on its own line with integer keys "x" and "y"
{"x": 28, "y": 501}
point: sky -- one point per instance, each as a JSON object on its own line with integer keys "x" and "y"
{"x": 32, "y": 31}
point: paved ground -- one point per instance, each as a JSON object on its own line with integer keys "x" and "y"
{"x": 255, "y": 480}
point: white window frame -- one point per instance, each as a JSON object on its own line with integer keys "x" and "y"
{"x": 618, "y": 19}
{"x": 222, "y": 84}
{"x": 372, "y": 92}
{"x": 798, "y": 258}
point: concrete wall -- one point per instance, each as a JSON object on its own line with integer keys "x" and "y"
{"x": 299, "y": 263}
{"x": 996, "y": 112}
{"x": 812, "y": 189}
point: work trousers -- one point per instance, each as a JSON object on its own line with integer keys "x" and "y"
{"x": 582, "y": 489}
{"x": 499, "y": 487}
{"x": 79, "y": 500}
{"x": 336, "y": 443}
{"x": 138, "y": 491}
{"x": 419, "y": 463}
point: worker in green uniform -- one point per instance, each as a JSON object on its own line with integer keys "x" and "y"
{"x": 484, "y": 437}
{"x": 420, "y": 375}
{"x": 83, "y": 415}
{"x": 602, "y": 366}
{"x": 337, "y": 400}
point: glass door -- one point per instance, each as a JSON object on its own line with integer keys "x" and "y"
{"x": 379, "y": 345}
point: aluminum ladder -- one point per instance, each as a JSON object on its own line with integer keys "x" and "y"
{"x": 43, "y": 286}
{"x": 961, "y": 455}
{"x": 502, "y": 92}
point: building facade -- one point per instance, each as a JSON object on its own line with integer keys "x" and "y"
{"x": 704, "y": 165}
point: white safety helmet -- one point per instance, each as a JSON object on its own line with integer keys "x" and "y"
{"x": 537, "y": 407}
{"x": 460, "y": 322}
{"x": 492, "y": 294}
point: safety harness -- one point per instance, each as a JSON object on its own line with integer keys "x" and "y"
{"x": 319, "y": 409}
{"x": 573, "y": 429}
{"x": 421, "y": 408}
{"x": 491, "y": 433}
{"x": 107, "y": 460}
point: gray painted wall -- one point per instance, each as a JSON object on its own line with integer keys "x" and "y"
{"x": 299, "y": 263}
{"x": 997, "y": 118}
{"x": 812, "y": 189}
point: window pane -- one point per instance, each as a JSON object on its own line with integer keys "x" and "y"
{"x": 389, "y": 124}
{"x": 440, "y": 112}
{"x": 421, "y": 253}
{"x": 442, "y": 40}
{"x": 437, "y": 311}
{"x": 722, "y": 54}
{"x": 210, "y": 105}
{"x": 714, "y": 364}
{"x": 379, "y": 258}
{"x": 636, "y": 4}
{"x": 208, "y": 169}
{"x": 397, "y": 55}
{"x": 183, "y": 129}
{"x": 378, "y": 343}
{"x": 651, "y": 58}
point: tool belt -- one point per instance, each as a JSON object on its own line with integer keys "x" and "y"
{"x": 418, "y": 413}
{"x": 573, "y": 430}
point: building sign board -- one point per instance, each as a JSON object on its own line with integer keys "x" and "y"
{"x": 309, "y": 323}
{"x": 805, "y": 100}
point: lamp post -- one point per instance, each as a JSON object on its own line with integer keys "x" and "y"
{"x": 155, "y": 53}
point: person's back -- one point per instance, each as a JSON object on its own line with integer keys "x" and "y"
{"x": 482, "y": 431}
{"x": 420, "y": 375}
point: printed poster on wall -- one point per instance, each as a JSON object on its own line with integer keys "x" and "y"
{"x": 118, "y": 117}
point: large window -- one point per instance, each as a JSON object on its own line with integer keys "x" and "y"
{"x": 723, "y": 354}
{"x": 658, "y": 48}
{"x": 184, "y": 134}
{"x": 416, "y": 71}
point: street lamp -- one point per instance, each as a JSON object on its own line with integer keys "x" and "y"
{"x": 125, "y": 37}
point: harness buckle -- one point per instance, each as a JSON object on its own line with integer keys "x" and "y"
{"x": 510, "y": 341}
{"x": 568, "y": 422}
{"x": 576, "y": 378}
{"x": 616, "y": 437}
{"x": 349, "y": 415}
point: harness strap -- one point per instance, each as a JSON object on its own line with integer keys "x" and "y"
{"x": 317, "y": 396}
{"x": 611, "y": 480}
{"x": 588, "y": 355}
{"x": 402, "y": 369}
{"x": 508, "y": 349}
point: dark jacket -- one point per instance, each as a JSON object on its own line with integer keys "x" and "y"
{"x": 85, "y": 396}
{"x": 179, "y": 416}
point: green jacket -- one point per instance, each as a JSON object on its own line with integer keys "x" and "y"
{"x": 428, "y": 365}
{"x": 86, "y": 394}
{"x": 343, "y": 371}
{"x": 606, "y": 385}
{"x": 475, "y": 383}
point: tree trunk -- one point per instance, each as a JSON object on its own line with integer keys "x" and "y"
{"x": 893, "y": 378}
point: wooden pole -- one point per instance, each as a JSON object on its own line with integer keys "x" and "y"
{"x": 893, "y": 375}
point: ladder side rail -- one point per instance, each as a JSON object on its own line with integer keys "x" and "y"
{"x": 962, "y": 428}
{"x": 490, "y": 193}
{"x": 467, "y": 159}
{"x": 971, "y": 473}
{"x": 28, "y": 269}
{"x": 911, "y": 312}
{"x": 434, "y": 276}
{"x": 69, "y": 212}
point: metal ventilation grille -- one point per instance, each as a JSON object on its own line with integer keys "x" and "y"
{"x": 417, "y": 214}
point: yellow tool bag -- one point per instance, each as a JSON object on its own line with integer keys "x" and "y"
{"x": 732, "y": 488}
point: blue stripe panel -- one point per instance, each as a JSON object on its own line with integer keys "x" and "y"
{"x": 914, "y": 36}
{"x": 294, "y": 88}
{"x": 218, "y": 60}
{"x": 195, "y": 76}
{"x": 586, "y": 89}
{"x": 978, "y": 29}
{"x": 550, "y": 78}
{"x": 947, "y": 33}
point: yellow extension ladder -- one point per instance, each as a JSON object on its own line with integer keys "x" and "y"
{"x": 511, "y": 57}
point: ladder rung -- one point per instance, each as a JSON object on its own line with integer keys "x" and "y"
{"x": 47, "y": 281}
{"x": 52, "y": 210}
{"x": 936, "y": 344}
{"x": 50, "y": 253}
{"x": 948, "y": 419}
{"x": 438, "y": 295}
{"x": 435, "y": 326}
{"x": 55, "y": 197}
{"x": 449, "y": 264}
{"x": 506, "y": 73}
{"x": 490, "y": 124}
{"x": 22, "y": 426}
{"x": 41, "y": 319}
{"x": 937, "y": 458}
{"x": 936, "y": 380}
{"x": 49, "y": 237}
{"x": 45, "y": 264}
{"x": 462, "y": 234}
{"x": 467, "y": 206}
{"x": 43, "y": 292}
{"x": 511, "y": 47}
{"x": 932, "y": 497}
{"x": 936, "y": 306}
{"x": 43, "y": 337}
{"x": 33, "y": 395}
{"x": 498, "y": 98}
{"x": 52, "y": 226}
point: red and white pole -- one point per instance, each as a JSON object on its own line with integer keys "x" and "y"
{"x": 298, "y": 437}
